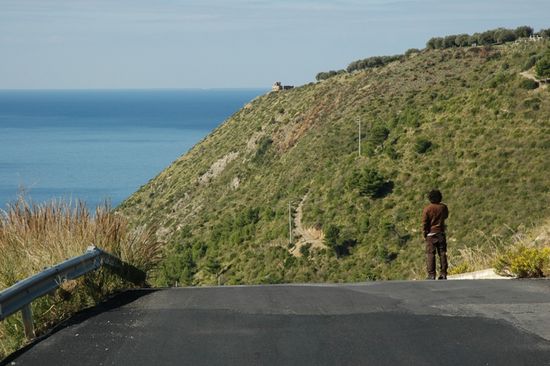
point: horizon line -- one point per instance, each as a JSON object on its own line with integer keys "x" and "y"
{"x": 133, "y": 89}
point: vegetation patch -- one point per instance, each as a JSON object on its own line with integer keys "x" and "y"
{"x": 453, "y": 118}
{"x": 33, "y": 237}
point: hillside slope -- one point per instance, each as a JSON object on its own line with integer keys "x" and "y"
{"x": 460, "y": 119}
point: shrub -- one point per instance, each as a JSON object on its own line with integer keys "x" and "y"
{"x": 371, "y": 183}
{"x": 449, "y": 41}
{"x": 487, "y": 37}
{"x": 462, "y": 40}
{"x": 532, "y": 103}
{"x": 542, "y": 67}
{"x": 525, "y": 262}
{"x": 339, "y": 242}
{"x": 372, "y": 62}
{"x": 422, "y": 145}
{"x": 530, "y": 62}
{"x": 529, "y": 84}
{"x": 263, "y": 145}
{"x": 305, "y": 250}
{"x": 435, "y": 43}
{"x": 411, "y": 51}
{"x": 523, "y": 31}
{"x": 376, "y": 137}
{"x": 505, "y": 35}
{"x": 328, "y": 74}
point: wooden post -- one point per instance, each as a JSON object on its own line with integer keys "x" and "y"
{"x": 26, "y": 313}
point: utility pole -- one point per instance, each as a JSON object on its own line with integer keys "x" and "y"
{"x": 289, "y": 223}
{"x": 359, "y": 122}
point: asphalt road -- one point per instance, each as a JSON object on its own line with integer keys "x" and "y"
{"x": 492, "y": 322}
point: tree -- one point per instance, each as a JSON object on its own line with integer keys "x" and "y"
{"x": 435, "y": 43}
{"x": 179, "y": 266}
{"x": 487, "y": 37}
{"x": 462, "y": 40}
{"x": 411, "y": 51}
{"x": 322, "y": 76}
{"x": 474, "y": 39}
{"x": 449, "y": 41}
{"x": 503, "y": 35}
{"x": 523, "y": 31}
{"x": 325, "y": 75}
{"x": 370, "y": 183}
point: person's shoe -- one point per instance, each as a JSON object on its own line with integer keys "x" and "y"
{"x": 442, "y": 277}
{"x": 430, "y": 278}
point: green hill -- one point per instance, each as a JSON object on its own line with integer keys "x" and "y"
{"x": 466, "y": 120}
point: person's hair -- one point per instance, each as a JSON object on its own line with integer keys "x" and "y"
{"x": 435, "y": 196}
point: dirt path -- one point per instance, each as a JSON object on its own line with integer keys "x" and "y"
{"x": 304, "y": 235}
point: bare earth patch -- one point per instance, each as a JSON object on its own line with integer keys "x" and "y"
{"x": 217, "y": 168}
{"x": 305, "y": 235}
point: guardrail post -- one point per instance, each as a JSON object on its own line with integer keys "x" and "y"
{"x": 27, "y": 321}
{"x": 19, "y": 296}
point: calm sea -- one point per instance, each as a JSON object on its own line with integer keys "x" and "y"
{"x": 98, "y": 145}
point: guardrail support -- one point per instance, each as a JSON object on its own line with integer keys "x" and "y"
{"x": 28, "y": 324}
{"x": 19, "y": 296}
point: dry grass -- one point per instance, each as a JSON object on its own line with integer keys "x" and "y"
{"x": 494, "y": 251}
{"x": 35, "y": 236}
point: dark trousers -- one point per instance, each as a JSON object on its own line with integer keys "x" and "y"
{"x": 437, "y": 243}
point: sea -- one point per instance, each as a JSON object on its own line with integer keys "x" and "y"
{"x": 100, "y": 146}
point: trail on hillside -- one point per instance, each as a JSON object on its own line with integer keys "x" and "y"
{"x": 304, "y": 235}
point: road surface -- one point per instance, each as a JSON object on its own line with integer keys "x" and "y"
{"x": 487, "y": 322}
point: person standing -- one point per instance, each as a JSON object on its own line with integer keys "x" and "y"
{"x": 433, "y": 224}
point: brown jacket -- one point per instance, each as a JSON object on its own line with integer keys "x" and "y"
{"x": 433, "y": 218}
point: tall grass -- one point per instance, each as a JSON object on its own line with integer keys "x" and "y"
{"x": 523, "y": 254}
{"x": 35, "y": 236}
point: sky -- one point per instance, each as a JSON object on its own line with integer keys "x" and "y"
{"x": 127, "y": 44}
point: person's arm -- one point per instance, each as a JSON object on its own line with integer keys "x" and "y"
{"x": 446, "y": 212}
{"x": 426, "y": 222}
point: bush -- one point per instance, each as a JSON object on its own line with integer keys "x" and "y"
{"x": 370, "y": 183}
{"x": 487, "y": 37}
{"x": 422, "y": 145}
{"x": 462, "y": 40}
{"x": 372, "y": 62}
{"x": 525, "y": 262}
{"x": 339, "y": 242}
{"x": 523, "y": 31}
{"x": 435, "y": 43}
{"x": 542, "y": 67}
{"x": 411, "y": 51}
{"x": 530, "y": 62}
{"x": 305, "y": 250}
{"x": 263, "y": 145}
{"x": 326, "y": 75}
{"x": 529, "y": 84}
{"x": 376, "y": 137}
{"x": 505, "y": 35}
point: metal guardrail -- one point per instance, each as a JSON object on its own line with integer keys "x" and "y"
{"x": 19, "y": 296}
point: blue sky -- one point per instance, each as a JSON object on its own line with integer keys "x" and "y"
{"x": 57, "y": 44}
